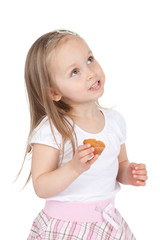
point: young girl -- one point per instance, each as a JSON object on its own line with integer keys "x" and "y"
{"x": 64, "y": 82}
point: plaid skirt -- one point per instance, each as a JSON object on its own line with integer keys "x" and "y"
{"x": 46, "y": 227}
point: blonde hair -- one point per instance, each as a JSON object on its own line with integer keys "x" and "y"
{"x": 37, "y": 81}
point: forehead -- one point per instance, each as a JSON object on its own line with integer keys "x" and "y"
{"x": 71, "y": 43}
{"x": 68, "y": 49}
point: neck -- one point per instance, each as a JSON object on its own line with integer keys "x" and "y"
{"x": 85, "y": 111}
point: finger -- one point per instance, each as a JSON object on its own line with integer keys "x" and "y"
{"x": 140, "y": 183}
{"x": 83, "y": 147}
{"x": 90, "y": 162}
{"x": 139, "y": 172}
{"x": 133, "y": 165}
{"x": 140, "y": 177}
{"x": 86, "y": 158}
{"x": 140, "y": 166}
{"x": 86, "y": 152}
{"x": 83, "y": 150}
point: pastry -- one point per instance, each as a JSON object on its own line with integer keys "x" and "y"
{"x": 98, "y": 145}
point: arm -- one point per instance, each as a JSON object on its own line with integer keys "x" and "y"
{"x": 47, "y": 179}
{"x": 130, "y": 173}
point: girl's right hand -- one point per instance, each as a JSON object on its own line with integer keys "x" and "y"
{"x": 83, "y": 158}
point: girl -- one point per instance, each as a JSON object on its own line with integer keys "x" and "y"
{"x": 64, "y": 82}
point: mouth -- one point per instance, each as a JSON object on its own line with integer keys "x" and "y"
{"x": 95, "y": 86}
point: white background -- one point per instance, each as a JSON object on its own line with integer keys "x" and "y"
{"x": 125, "y": 38}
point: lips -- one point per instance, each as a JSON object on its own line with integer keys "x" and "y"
{"x": 95, "y": 85}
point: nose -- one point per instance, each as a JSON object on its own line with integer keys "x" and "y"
{"x": 90, "y": 75}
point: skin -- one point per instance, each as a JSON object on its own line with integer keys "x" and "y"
{"x": 73, "y": 69}
{"x": 130, "y": 173}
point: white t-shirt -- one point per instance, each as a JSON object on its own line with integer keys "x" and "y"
{"x": 99, "y": 182}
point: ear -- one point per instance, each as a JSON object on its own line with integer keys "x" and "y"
{"x": 54, "y": 95}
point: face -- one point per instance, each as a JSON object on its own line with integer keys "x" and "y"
{"x": 77, "y": 75}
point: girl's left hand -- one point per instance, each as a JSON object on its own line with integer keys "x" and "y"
{"x": 137, "y": 174}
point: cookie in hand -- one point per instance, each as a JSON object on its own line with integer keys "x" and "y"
{"x": 99, "y": 146}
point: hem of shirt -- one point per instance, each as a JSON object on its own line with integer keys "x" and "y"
{"x": 43, "y": 143}
{"x": 90, "y": 199}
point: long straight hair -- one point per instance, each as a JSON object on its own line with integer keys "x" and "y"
{"x": 37, "y": 81}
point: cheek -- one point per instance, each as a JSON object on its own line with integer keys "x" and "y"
{"x": 72, "y": 89}
{"x": 99, "y": 71}
{"x": 102, "y": 75}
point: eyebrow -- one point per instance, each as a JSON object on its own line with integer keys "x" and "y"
{"x": 73, "y": 64}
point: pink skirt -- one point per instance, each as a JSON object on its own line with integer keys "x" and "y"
{"x": 80, "y": 221}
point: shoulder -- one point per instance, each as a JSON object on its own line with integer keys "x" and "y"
{"x": 43, "y": 134}
{"x": 115, "y": 123}
{"x": 113, "y": 115}
{"x": 43, "y": 127}
{"x": 44, "y": 124}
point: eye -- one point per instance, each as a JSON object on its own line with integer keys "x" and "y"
{"x": 90, "y": 59}
{"x": 74, "y": 72}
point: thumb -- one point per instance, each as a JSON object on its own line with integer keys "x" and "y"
{"x": 95, "y": 157}
{"x": 133, "y": 165}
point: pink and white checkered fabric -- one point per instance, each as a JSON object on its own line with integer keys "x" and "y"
{"x": 47, "y": 228}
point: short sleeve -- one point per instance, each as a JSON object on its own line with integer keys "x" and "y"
{"x": 120, "y": 125}
{"x": 42, "y": 134}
